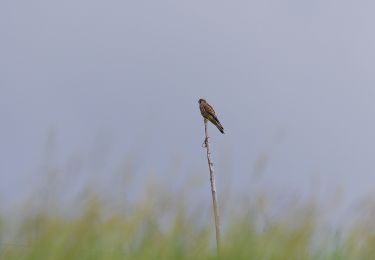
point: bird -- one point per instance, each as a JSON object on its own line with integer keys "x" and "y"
{"x": 208, "y": 113}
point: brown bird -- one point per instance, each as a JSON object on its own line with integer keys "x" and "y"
{"x": 209, "y": 113}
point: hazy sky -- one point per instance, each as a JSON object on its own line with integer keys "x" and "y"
{"x": 293, "y": 83}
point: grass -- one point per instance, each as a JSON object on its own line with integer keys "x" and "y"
{"x": 162, "y": 224}
{"x": 140, "y": 233}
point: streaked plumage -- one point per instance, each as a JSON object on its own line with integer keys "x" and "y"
{"x": 209, "y": 113}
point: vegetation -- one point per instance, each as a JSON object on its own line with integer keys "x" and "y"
{"x": 144, "y": 217}
{"x": 145, "y": 232}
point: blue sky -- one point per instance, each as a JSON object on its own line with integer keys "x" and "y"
{"x": 292, "y": 83}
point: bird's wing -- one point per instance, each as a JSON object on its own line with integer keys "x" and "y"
{"x": 209, "y": 109}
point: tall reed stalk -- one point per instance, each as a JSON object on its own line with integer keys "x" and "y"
{"x": 213, "y": 188}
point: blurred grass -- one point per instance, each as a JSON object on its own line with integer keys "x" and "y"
{"x": 139, "y": 234}
{"x": 153, "y": 218}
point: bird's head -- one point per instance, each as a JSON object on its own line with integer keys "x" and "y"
{"x": 201, "y": 100}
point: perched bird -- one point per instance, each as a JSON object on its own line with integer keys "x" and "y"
{"x": 209, "y": 113}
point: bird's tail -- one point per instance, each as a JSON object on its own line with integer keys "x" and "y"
{"x": 217, "y": 123}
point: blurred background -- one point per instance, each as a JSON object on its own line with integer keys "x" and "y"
{"x": 102, "y": 96}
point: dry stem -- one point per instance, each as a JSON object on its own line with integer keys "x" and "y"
{"x": 213, "y": 187}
